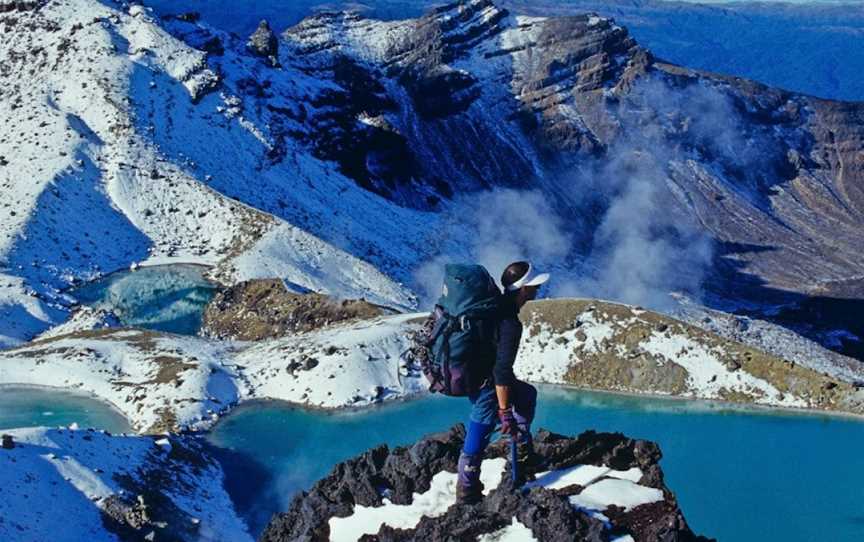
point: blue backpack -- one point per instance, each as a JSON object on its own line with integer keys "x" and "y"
{"x": 462, "y": 340}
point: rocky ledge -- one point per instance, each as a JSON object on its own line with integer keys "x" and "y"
{"x": 599, "y": 487}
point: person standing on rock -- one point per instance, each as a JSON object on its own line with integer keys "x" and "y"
{"x": 466, "y": 348}
{"x": 502, "y": 398}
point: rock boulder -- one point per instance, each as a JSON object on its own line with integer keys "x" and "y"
{"x": 581, "y": 497}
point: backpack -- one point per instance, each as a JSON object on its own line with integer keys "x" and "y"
{"x": 456, "y": 347}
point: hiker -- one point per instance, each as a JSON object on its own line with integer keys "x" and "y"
{"x": 466, "y": 348}
{"x": 502, "y": 398}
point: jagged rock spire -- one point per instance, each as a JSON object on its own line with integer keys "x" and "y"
{"x": 263, "y": 43}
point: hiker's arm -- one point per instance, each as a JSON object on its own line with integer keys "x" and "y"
{"x": 509, "y": 333}
{"x": 503, "y": 393}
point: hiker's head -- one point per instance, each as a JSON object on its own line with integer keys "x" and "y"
{"x": 517, "y": 278}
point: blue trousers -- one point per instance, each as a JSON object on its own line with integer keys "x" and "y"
{"x": 484, "y": 414}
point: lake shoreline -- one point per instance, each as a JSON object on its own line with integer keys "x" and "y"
{"x": 715, "y": 406}
{"x": 727, "y": 406}
{"x": 74, "y": 393}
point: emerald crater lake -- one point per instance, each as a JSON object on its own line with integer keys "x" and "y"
{"x": 168, "y": 298}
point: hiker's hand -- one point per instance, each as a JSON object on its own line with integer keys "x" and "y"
{"x": 508, "y": 422}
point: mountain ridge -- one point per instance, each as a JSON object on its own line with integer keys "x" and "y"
{"x": 360, "y": 156}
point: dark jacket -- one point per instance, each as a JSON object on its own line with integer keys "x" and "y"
{"x": 509, "y": 334}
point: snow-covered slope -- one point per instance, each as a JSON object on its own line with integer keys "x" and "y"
{"x": 93, "y": 180}
{"x": 609, "y": 346}
{"x": 71, "y": 484}
{"x": 163, "y": 382}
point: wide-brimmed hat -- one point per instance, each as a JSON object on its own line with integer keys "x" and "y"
{"x": 528, "y": 279}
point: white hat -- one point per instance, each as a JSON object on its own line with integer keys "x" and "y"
{"x": 528, "y": 280}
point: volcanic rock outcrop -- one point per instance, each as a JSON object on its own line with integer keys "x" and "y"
{"x": 474, "y": 97}
{"x": 263, "y": 43}
{"x": 599, "y": 487}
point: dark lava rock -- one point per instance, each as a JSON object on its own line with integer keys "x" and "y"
{"x": 263, "y": 308}
{"x": 403, "y": 471}
{"x": 263, "y": 43}
{"x": 189, "y": 17}
{"x": 20, "y": 5}
{"x": 441, "y": 93}
{"x": 7, "y": 442}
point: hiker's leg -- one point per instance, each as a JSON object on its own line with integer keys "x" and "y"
{"x": 524, "y": 406}
{"x": 469, "y": 490}
{"x": 482, "y": 420}
{"x": 477, "y": 437}
{"x": 480, "y": 425}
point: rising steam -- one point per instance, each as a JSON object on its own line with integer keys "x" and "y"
{"x": 633, "y": 238}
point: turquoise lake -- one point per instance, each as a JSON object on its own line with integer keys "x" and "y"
{"x": 162, "y": 297}
{"x": 739, "y": 475}
{"x": 28, "y": 407}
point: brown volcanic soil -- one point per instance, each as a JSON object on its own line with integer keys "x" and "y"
{"x": 261, "y": 309}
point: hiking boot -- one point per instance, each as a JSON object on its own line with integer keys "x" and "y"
{"x": 528, "y": 463}
{"x": 469, "y": 489}
{"x": 469, "y": 494}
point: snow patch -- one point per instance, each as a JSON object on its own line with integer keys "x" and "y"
{"x": 582, "y": 475}
{"x": 515, "y": 532}
{"x": 432, "y": 503}
{"x": 548, "y": 355}
{"x": 707, "y": 375}
{"x": 610, "y": 491}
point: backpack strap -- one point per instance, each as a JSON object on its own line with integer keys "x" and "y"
{"x": 442, "y": 319}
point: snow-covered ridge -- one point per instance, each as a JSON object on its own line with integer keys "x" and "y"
{"x": 609, "y": 346}
{"x": 773, "y": 339}
{"x": 112, "y": 488}
{"x": 164, "y": 382}
{"x": 167, "y": 382}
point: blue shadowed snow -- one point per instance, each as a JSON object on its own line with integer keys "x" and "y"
{"x": 163, "y": 297}
{"x": 738, "y": 475}
{"x": 32, "y": 407}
